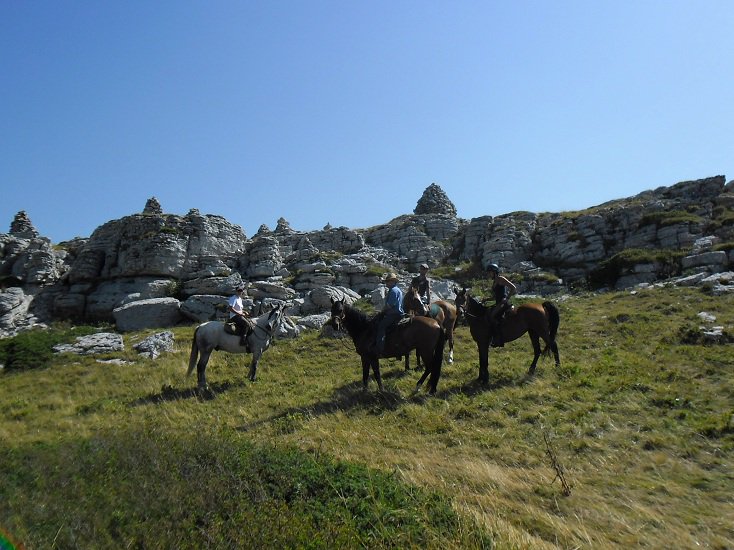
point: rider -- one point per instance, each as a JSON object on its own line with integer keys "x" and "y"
{"x": 237, "y": 313}
{"x": 393, "y": 310}
{"x": 503, "y": 289}
{"x": 423, "y": 284}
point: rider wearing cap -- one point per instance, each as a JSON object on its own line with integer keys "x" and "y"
{"x": 237, "y": 313}
{"x": 392, "y": 312}
{"x": 502, "y": 289}
{"x": 423, "y": 284}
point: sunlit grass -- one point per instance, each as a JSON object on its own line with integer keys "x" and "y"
{"x": 641, "y": 423}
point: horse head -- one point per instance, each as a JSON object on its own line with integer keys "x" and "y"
{"x": 275, "y": 318}
{"x": 460, "y": 301}
{"x": 412, "y": 302}
{"x": 337, "y": 314}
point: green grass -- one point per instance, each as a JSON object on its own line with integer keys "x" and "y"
{"x": 108, "y": 456}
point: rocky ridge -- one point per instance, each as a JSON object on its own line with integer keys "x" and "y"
{"x": 158, "y": 269}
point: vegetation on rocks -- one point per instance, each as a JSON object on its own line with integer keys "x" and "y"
{"x": 669, "y": 217}
{"x": 640, "y": 421}
{"x": 609, "y": 270}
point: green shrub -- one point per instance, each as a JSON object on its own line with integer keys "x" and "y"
{"x": 725, "y": 246}
{"x": 672, "y": 217}
{"x": 463, "y": 273}
{"x": 34, "y": 349}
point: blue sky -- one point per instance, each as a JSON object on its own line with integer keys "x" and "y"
{"x": 344, "y": 112}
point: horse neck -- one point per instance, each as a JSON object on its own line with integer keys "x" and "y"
{"x": 474, "y": 309}
{"x": 414, "y": 304}
{"x": 355, "y": 322}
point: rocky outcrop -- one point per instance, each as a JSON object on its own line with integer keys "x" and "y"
{"x": 93, "y": 344}
{"x": 151, "y": 313}
{"x": 435, "y": 201}
{"x": 153, "y": 346}
{"x": 156, "y": 268}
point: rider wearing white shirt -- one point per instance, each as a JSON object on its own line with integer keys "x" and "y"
{"x": 237, "y": 313}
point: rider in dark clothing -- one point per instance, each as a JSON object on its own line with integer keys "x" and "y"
{"x": 503, "y": 289}
{"x": 423, "y": 284}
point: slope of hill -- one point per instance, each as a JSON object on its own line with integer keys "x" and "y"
{"x": 638, "y": 421}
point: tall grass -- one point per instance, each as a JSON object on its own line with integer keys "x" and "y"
{"x": 111, "y": 455}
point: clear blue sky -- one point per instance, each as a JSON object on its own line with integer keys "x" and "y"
{"x": 344, "y": 112}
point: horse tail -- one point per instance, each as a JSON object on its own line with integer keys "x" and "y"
{"x": 194, "y": 352}
{"x": 437, "y": 360}
{"x": 554, "y": 319}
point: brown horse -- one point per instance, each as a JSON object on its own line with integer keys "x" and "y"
{"x": 442, "y": 311}
{"x": 422, "y": 334}
{"x": 540, "y": 321}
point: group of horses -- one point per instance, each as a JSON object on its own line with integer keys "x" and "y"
{"x": 425, "y": 329}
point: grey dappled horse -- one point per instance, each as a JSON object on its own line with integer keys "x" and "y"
{"x": 210, "y": 336}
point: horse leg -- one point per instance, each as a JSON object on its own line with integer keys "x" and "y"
{"x": 556, "y": 356}
{"x": 536, "y": 350}
{"x": 376, "y": 370}
{"x": 201, "y": 369}
{"x": 483, "y": 348}
{"x": 365, "y": 371}
{"x": 407, "y": 362}
{"x": 253, "y": 365}
{"x": 450, "y": 334}
{"x": 418, "y": 360}
{"x": 426, "y": 372}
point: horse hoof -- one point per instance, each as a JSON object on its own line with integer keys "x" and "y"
{"x": 205, "y": 392}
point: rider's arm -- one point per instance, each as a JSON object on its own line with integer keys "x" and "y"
{"x": 510, "y": 286}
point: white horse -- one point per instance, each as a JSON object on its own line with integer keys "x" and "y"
{"x": 210, "y": 336}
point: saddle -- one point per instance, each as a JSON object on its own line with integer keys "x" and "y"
{"x": 230, "y": 327}
{"x": 433, "y": 311}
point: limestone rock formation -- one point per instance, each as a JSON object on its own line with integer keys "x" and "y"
{"x": 101, "y": 342}
{"x": 154, "y": 345}
{"x": 435, "y": 201}
{"x": 153, "y": 268}
{"x": 22, "y": 227}
{"x": 152, "y": 206}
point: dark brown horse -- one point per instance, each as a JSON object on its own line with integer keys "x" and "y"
{"x": 422, "y": 334}
{"x": 540, "y": 321}
{"x": 442, "y": 311}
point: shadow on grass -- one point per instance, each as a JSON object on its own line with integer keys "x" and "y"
{"x": 348, "y": 397}
{"x": 169, "y": 393}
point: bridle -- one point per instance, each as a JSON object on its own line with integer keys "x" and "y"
{"x": 271, "y": 327}
{"x": 337, "y": 321}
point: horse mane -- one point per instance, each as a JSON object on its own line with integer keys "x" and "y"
{"x": 473, "y": 303}
{"x": 357, "y": 315}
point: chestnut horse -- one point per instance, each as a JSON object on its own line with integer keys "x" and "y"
{"x": 442, "y": 311}
{"x": 422, "y": 334}
{"x": 540, "y": 321}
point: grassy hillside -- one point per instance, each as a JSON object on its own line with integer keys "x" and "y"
{"x": 639, "y": 420}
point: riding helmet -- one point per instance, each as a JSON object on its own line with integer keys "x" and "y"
{"x": 493, "y": 267}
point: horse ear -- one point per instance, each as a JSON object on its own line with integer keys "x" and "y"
{"x": 332, "y": 301}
